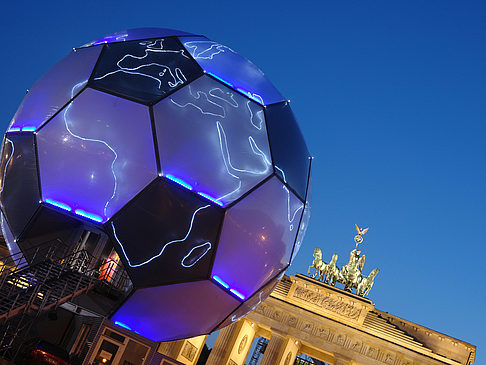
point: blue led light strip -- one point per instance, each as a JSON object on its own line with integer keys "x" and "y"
{"x": 28, "y": 129}
{"x": 23, "y": 129}
{"x": 238, "y": 294}
{"x": 220, "y": 79}
{"x": 88, "y": 215}
{"x": 55, "y": 203}
{"x": 179, "y": 181}
{"x": 79, "y": 212}
{"x": 210, "y": 198}
{"x": 221, "y": 282}
{"x": 122, "y": 325}
{"x": 189, "y": 187}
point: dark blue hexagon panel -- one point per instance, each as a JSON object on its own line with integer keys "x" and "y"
{"x": 233, "y": 69}
{"x": 290, "y": 155}
{"x": 214, "y": 139}
{"x": 55, "y": 89}
{"x": 144, "y": 71}
{"x": 166, "y": 235}
{"x": 19, "y": 184}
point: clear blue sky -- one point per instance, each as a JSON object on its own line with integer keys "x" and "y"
{"x": 391, "y": 97}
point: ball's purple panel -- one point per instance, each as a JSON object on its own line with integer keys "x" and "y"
{"x": 178, "y": 230}
{"x": 305, "y": 221}
{"x": 144, "y": 70}
{"x": 258, "y": 234}
{"x": 53, "y": 90}
{"x": 251, "y": 303}
{"x": 96, "y": 155}
{"x": 138, "y": 33}
{"x": 290, "y": 155}
{"x": 177, "y": 311}
{"x": 214, "y": 139}
{"x": 233, "y": 69}
{"x": 19, "y": 182}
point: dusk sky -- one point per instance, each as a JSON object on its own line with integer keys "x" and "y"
{"x": 391, "y": 98}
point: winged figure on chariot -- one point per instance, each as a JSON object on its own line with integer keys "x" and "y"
{"x": 350, "y": 275}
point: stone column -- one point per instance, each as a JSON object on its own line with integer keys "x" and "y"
{"x": 233, "y": 344}
{"x": 171, "y": 348}
{"x": 185, "y": 351}
{"x": 281, "y": 350}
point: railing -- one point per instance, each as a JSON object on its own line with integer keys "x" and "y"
{"x": 18, "y": 261}
{"x": 41, "y": 281}
{"x": 52, "y": 278}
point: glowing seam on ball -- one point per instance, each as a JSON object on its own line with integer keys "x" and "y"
{"x": 233, "y": 317}
{"x": 283, "y": 173}
{"x": 180, "y": 79}
{"x": 165, "y": 245}
{"x": 200, "y": 257}
{"x": 192, "y": 46}
{"x": 253, "y": 146}
{"x": 6, "y": 164}
{"x": 93, "y": 140}
{"x": 291, "y": 226}
{"x": 252, "y": 115}
{"x": 223, "y": 143}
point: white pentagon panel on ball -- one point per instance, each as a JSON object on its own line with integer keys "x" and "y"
{"x": 96, "y": 155}
{"x": 175, "y": 311}
{"x": 53, "y": 90}
{"x": 257, "y": 237}
{"x": 214, "y": 139}
{"x": 233, "y": 69}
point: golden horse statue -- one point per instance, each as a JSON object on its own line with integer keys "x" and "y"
{"x": 318, "y": 264}
{"x": 366, "y": 284}
{"x": 332, "y": 272}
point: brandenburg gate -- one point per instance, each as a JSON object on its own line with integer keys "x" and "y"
{"x": 304, "y": 315}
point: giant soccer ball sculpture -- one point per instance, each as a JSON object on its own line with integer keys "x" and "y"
{"x": 183, "y": 154}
